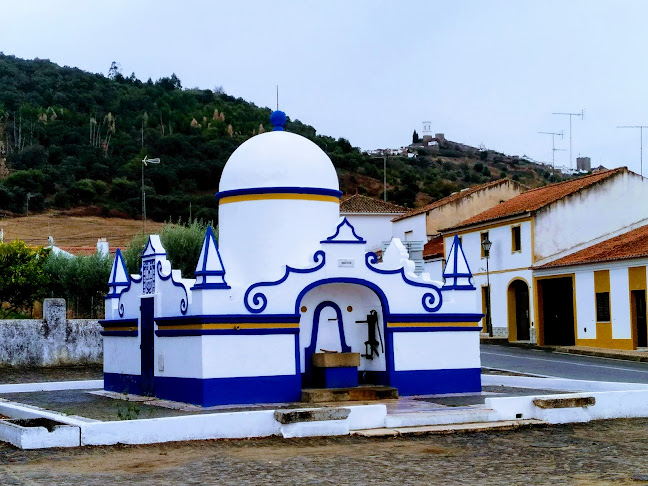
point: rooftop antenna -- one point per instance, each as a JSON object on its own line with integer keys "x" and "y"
{"x": 277, "y": 97}
{"x": 570, "y": 115}
{"x": 640, "y": 127}
{"x": 553, "y": 151}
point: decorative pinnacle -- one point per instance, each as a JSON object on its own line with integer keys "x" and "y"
{"x": 278, "y": 120}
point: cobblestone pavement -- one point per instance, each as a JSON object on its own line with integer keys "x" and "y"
{"x": 597, "y": 453}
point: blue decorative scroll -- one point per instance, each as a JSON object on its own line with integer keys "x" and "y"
{"x": 259, "y": 301}
{"x": 431, "y": 301}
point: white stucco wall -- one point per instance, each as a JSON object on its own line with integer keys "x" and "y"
{"x": 415, "y": 224}
{"x": 596, "y": 212}
{"x": 374, "y": 228}
{"x": 504, "y": 266}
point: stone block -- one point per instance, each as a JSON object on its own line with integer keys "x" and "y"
{"x": 310, "y": 415}
{"x": 336, "y": 360}
{"x": 570, "y": 402}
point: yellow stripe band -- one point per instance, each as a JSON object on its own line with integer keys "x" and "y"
{"x": 109, "y": 329}
{"x": 198, "y": 327}
{"x": 276, "y": 196}
{"x": 432, "y": 324}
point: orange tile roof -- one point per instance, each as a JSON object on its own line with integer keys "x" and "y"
{"x": 536, "y": 199}
{"x": 433, "y": 248}
{"x": 456, "y": 196}
{"x": 633, "y": 244}
{"x": 364, "y": 204}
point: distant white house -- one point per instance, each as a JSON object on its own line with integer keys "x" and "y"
{"x": 424, "y": 224}
{"x": 371, "y": 218}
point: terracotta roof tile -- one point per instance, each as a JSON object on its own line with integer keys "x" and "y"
{"x": 535, "y": 199}
{"x": 364, "y": 204}
{"x": 433, "y": 248}
{"x": 633, "y": 244}
{"x": 456, "y": 196}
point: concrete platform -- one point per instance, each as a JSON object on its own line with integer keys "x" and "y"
{"x": 83, "y": 417}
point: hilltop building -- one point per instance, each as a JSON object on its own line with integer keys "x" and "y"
{"x": 288, "y": 298}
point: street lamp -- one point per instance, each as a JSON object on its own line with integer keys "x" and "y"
{"x": 486, "y": 246}
{"x": 146, "y": 161}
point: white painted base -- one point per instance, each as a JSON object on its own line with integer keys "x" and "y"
{"x": 315, "y": 429}
{"x": 39, "y": 437}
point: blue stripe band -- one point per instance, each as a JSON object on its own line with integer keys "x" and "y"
{"x": 432, "y": 329}
{"x": 211, "y": 332}
{"x": 228, "y": 319}
{"x": 278, "y": 190}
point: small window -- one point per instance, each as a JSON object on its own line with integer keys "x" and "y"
{"x": 603, "y": 307}
{"x": 483, "y": 237}
{"x": 408, "y": 235}
{"x": 516, "y": 239}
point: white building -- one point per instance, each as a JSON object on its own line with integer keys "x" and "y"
{"x": 371, "y": 218}
{"x": 536, "y": 228}
{"x": 288, "y": 298}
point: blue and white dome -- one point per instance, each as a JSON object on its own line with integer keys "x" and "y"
{"x": 278, "y": 159}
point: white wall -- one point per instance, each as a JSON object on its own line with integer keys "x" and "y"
{"x": 598, "y": 211}
{"x": 415, "y": 224}
{"x": 374, "y": 228}
{"x": 504, "y": 266}
{"x": 276, "y": 232}
{"x": 436, "y": 350}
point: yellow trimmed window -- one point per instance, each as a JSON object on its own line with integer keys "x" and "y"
{"x": 516, "y": 238}
{"x": 483, "y": 237}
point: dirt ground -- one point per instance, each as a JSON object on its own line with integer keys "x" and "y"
{"x": 72, "y": 229}
{"x": 598, "y": 453}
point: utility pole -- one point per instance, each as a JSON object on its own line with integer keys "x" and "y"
{"x": 640, "y": 127}
{"x": 570, "y": 115}
{"x": 146, "y": 161}
{"x": 553, "y": 151}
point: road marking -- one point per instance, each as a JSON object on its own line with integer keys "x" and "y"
{"x": 565, "y": 362}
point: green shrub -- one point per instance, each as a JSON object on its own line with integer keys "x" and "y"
{"x": 22, "y": 277}
{"x": 182, "y": 242}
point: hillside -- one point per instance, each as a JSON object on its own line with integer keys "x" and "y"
{"x": 70, "y": 138}
{"x": 73, "y": 228}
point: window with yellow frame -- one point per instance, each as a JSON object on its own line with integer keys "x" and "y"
{"x": 483, "y": 236}
{"x": 516, "y": 238}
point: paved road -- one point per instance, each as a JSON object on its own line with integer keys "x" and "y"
{"x": 562, "y": 365}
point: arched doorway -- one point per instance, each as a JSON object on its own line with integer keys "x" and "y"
{"x": 518, "y": 311}
{"x": 334, "y": 317}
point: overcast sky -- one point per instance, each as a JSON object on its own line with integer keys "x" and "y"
{"x": 485, "y": 72}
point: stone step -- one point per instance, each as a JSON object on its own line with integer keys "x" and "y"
{"x": 448, "y": 428}
{"x": 439, "y": 417}
{"x": 359, "y": 393}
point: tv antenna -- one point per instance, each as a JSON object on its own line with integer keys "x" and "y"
{"x": 640, "y": 127}
{"x": 570, "y": 115}
{"x": 277, "y": 97}
{"x": 554, "y": 150}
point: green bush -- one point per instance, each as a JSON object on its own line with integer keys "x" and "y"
{"x": 22, "y": 277}
{"x": 182, "y": 242}
{"x": 81, "y": 280}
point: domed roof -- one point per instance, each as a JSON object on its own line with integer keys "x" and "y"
{"x": 278, "y": 159}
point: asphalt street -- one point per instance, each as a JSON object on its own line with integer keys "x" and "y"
{"x": 562, "y": 365}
